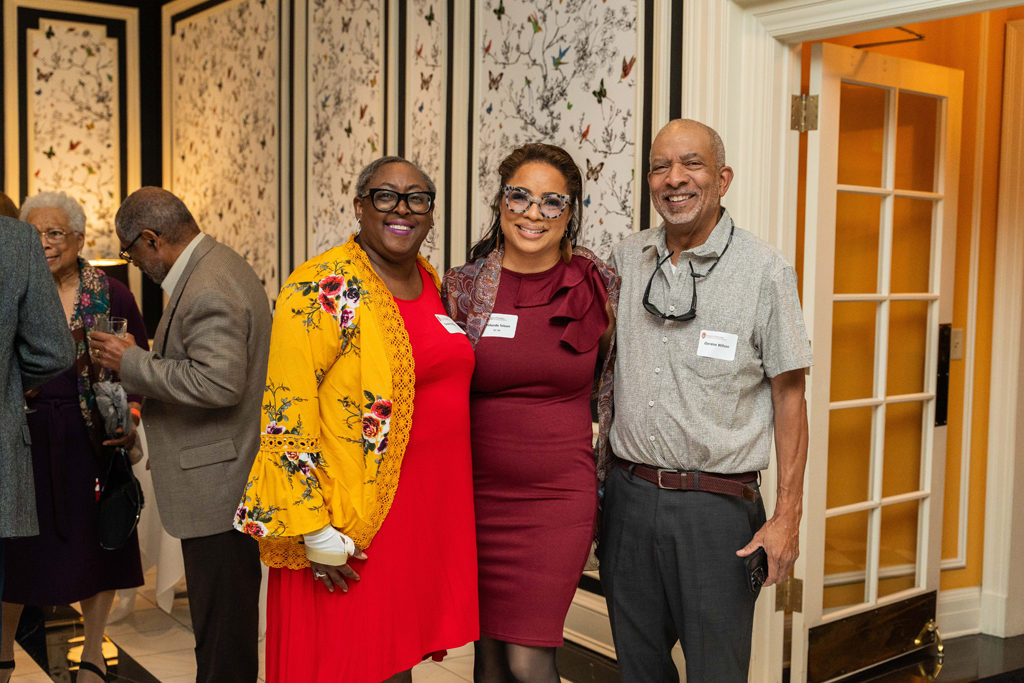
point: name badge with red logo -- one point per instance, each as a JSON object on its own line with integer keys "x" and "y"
{"x": 720, "y": 345}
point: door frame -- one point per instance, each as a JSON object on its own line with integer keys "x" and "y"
{"x": 742, "y": 56}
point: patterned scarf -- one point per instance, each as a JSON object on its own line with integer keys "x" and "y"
{"x": 92, "y": 300}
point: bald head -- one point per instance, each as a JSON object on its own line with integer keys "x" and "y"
{"x": 676, "y": 126}
{"x": 156, "y": 209}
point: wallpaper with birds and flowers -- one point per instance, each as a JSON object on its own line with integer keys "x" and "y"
{"x": 426, "y": 101}
{"x": 561, "y": 72}
{"x": 345, "y": 111}
{"x": 73, "y": 126}
{"x": 224, "y": 128}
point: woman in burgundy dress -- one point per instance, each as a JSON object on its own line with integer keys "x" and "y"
{"x": 65, "y": 563}
{"x": 538, "y": 310}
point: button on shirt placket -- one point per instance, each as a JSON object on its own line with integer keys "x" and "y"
{"x": 669, "y": 282}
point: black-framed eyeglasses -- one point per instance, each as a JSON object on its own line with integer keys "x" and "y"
{"x": 518, "y": 200}
{"x": 125, "y": 253}
{"x": 385, "y": 200}
{"x": 692, "y": 313}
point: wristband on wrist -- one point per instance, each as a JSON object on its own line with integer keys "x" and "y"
{"x": 136, "y": 413}
{"x": 326, "y": 557}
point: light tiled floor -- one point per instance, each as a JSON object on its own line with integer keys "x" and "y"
{"x": 164, "y": 644}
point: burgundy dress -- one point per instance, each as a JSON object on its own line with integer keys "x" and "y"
{"x": 534, "y": 478}
{"x": 65, "y": 562}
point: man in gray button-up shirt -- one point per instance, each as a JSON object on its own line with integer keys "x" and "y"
{"x": 711, "y": 351}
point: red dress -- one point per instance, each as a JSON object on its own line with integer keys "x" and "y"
{"x": 534, "y": 478}
{"x": 418, "y": 590}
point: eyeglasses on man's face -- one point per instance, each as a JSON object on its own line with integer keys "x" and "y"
{"x": 519, "y": 200}
{"x": 385, "y": 200}
{"x": 125, "y": 252}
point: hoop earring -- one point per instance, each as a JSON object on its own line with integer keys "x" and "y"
{"x": 431, "y": 236}
{"x": 359, "y": 226}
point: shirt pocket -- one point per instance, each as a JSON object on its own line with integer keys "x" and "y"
{"x": 713, "y": 368}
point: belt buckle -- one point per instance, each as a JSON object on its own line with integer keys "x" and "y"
{"x": 661, "y": 472}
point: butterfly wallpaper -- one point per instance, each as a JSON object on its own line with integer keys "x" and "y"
{"x": 74, "y": 143}
{"x": 345, "y": 112}
{"x": 426, "y": 93}
{"x": 225, "y": 143}
{"x": 561, "y": 72}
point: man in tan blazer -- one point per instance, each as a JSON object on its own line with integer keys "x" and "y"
{"x": 204, "y": 386}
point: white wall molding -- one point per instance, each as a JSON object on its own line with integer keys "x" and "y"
{"x": 1002, "y": 601}
{"x": 800, "y": 20}
{"x": 587, "y": 623}
{"x": 971, "y": 331}
{"x": 958, "y": 612}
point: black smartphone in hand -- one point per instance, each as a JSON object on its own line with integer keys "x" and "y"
{"x": 756, "y": 565}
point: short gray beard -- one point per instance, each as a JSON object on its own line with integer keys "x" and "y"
{"x": 661, "y": 206}
{"x": 156, "y": 272}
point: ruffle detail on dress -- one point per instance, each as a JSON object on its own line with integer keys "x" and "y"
{"x": 580, "y": 297}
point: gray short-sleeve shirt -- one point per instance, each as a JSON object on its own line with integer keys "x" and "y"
{"x": 677, "y": 405}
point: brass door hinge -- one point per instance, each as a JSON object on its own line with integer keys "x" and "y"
{"x": 804, "y": 113}
{"x": 789, "y": 595}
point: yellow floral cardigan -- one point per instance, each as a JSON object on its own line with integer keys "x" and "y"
{"x": 336, "y": 410}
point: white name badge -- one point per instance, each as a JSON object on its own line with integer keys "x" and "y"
{"x": 721, "y": 345}
{"x": 449, "y": 324}
{"x": 501, "y": 325}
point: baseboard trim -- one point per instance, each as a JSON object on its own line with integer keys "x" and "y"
{"x": 958, "y": 612}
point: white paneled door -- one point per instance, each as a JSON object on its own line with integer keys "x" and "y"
{"x": 882, "y": 173}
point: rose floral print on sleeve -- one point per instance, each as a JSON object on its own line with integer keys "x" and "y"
{"x": 316, "y": 323}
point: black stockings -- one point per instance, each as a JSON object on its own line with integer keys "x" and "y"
{"x": 500, "y": 662}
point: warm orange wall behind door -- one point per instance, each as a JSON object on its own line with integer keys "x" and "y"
{"x": 954, "y": 43}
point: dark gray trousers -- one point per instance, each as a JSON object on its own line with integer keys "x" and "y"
{"x": 223, "y": 576}
{"x": 670, "y": 573}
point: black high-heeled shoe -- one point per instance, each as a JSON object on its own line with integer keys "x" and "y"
{"x": 7, "y": 666}
{"x": 91, "y": 668}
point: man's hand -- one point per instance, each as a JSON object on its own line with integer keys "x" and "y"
{"x": 332, "y": 576}
{"x": 128, "y": 442}
{"x": 108, "y": 349}
{"x": 780, "y": 538}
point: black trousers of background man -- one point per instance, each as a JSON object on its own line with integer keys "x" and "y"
{"x": 670, "y": 573}
{"x": 223, "y": 576}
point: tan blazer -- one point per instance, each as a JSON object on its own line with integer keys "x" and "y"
{"x": 204, "y": 386}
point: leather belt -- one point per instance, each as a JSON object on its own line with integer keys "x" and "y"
{"x": 727, "y": 484}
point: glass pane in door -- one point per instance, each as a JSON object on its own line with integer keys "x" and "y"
{"x": 849, "y": 456}
{"x": 911, "y": 245}
{"x": 853, "y": 349}
{"x": 908, "y": 342}
{"x": 901, "y": 468}
{"x": 897, "y": 551}
{"x": 857, "y": 240}
{"x": 861, "y": 134}
{"x": 846, "y": 552}
{"x": 916, "y": 127}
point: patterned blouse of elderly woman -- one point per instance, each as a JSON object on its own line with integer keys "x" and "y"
{"x": 70, "y": 454}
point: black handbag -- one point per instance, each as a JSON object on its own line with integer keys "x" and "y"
{"x": 121, "y": 502}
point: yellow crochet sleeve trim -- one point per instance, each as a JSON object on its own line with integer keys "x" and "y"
{"x": 283, "y": 553}
{"x": 398, "y": 350}
{"x": 280, "y": 443}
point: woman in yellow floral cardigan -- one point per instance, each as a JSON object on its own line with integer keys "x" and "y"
{"x": 371, "y": 572}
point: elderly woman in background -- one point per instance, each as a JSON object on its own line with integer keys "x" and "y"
{"x": 70, "y": 454}
{"x": 539, "y": 312}
{"x": 368, "y": 378}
